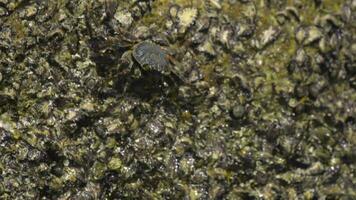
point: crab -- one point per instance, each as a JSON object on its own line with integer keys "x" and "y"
{"x": 148, "y": 58}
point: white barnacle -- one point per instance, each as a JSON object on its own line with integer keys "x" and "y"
{"x": 186, "y": 18}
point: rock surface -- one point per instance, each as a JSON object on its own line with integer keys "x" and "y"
{"x": 266, "y": 110}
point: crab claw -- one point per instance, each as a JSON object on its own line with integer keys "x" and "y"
{"x": 126, "y": 60}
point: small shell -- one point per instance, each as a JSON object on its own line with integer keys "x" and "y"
{"x": 173, "y": 11}
{"x": 346, "y": 13}
{"x": 216, "y": 3}
{"x": 198, "y": 38}
{"x": 3, "y": 12}
{"x": 300, "y": 57}
{"x": 314, "y": 34}
{"x": 224, "y": 35}
{"x": 141, "y": 32}
{"x": 300, "y": 34}
{"x": 207, "y": 47}
{"x": 186, "y": 18}
{"x": 203, "y": 24}
{"x": 28, "y": 12}
{"x": 124, "y": 18}
{"x": 329, "y": 19}
{"x": 290, "y": 13}
{"x": 293, "y": 12}
{"x": 268, "y": 36}
{"x": 308, "y": 35}
{"x": 245, "y": 30}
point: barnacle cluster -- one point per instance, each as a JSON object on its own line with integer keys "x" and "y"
{"x": 177, "y": 99}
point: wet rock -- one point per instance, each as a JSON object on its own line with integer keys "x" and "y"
{"x": 212, "y": 99}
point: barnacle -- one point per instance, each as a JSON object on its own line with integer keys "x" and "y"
{"x": 186, "y": 17}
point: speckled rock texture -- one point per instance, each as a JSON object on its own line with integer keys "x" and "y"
{"x": 229, "y": 99}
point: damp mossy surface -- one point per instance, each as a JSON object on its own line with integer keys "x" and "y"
{"x": 256, "y": 100}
